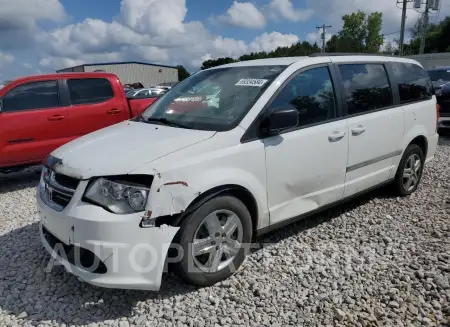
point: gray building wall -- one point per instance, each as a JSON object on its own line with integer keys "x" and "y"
{"x": 432, "y": 60}
{"x": 77, "y": 69}
{"x": 132, "y": 73}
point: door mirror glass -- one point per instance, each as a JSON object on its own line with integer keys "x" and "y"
{"x": 1, "y": 105}
{"x": 280, "y": 119}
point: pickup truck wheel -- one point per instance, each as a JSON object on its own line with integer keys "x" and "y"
{"x": 214, "y": 239}
{"x": 409, "y": 172}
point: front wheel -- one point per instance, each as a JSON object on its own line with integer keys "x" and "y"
{"x": 409, "y": 172}
{"x": 214, "y": 241}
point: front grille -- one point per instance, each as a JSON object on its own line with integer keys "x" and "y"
{"x": 60, "y": 198}
{"x": 77, "y": 256}
{"x": 57, "y": 189}
{"x": 66, "y": 181}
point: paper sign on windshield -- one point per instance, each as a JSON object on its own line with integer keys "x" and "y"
{"x": 252, "y": 82}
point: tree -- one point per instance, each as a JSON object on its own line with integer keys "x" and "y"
{"x": 374, "y": 39}
{"x": 390, "y": 49}
{"x": 217, "y": 62}
{"x": 182, "y": 73}
{"x": 299, "y": 49}
{"x": 360, "y": 33}
{"x": 354, "y": 32}
{"x": 437, "y": 38}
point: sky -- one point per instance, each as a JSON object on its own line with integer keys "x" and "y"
{"x": 40, "y": 36}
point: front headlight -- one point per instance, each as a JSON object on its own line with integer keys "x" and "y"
{"x": 118, "y": 197}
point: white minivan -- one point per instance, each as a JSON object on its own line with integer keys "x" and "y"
{"x": 288, "y": 137}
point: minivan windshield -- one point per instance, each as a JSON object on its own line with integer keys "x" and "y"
{"x": 437, "y": 75}
{"x": 215, "y": 100}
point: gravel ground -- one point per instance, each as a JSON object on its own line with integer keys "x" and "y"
{"x": 378, "y": 261}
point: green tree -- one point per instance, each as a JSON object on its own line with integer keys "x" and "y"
{"x": 182, "y": 73}
{"x": 360, "y": 33}
{"x": 374, "y": 39}
{"x": 217, "y": 62}
{"x": 437, "y": 38}
{"x": 354, "y": 32}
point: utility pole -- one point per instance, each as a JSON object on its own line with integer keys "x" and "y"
{"x": 402, "y": 33}
{"x": 424, "y": 28}
{"x": 323, "y": 27}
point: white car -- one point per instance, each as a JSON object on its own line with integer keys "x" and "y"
{"x": 289, "y": 137}
{"x": 140, "y": 93}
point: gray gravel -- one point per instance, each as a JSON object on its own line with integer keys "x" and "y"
{"x": 378, "y": 261}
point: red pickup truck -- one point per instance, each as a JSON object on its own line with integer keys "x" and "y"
{"x": 40, "y": 113}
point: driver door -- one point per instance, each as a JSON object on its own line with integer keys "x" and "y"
{"x": 306, "y": 165}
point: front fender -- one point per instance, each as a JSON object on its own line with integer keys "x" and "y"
{"x": 172, "y": 193}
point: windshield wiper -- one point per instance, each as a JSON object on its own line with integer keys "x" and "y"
{"x": 164, "y": 121}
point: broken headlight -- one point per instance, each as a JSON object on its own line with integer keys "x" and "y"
{"x": 118, "y": 197}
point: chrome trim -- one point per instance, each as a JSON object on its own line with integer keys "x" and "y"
{"x": 374, "y": 160}
{"x": 58, "y": 186}
{"x": 48, "y": 186}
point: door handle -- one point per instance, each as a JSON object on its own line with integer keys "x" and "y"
{"x": 336, "y": 136}
{"x": 113, "y": 111}
{"x": 56, "y": 117}
{"x": 358, "y": 130}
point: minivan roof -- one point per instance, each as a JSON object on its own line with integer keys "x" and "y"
{"x": 316, "y": 59}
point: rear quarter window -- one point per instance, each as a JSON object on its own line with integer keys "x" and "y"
{"x": 414, "y": 83}
{"x": 89, "y": 90}
{"x": 366, "y": 87}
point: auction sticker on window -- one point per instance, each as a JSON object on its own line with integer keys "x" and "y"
{"x": 252, "y": 82}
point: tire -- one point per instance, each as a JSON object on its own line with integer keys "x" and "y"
{"x": 400, "y": 186}
{"x": 191, "y": 268}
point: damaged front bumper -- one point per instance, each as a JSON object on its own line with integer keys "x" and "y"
{"x": 122, "y": 254}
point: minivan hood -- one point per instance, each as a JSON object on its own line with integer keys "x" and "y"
{"x": 123, "y": 147}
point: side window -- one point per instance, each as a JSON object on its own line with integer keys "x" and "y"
{"x": 89, "y": 90}
{"x": 311, "y": 93}
{"x": 414, "y": 84}
{"x": 35, "y": 95}
{"x": 366, "y": 87}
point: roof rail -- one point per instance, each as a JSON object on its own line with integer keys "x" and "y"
{"x": 335, "y": 54}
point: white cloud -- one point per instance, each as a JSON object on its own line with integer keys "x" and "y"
{"x": 154, "y": 16}
{"x": 151, "y": 53}
{"x": 316, "y": 37}
{"x": 284, "y": 9}
{"x": 6, "y": 58}
{"x": 243, "y": 14}
{"x": 18, "y": 19}
{"x": 137, "y": 35}
{"x": 270, "y": 41}
{"x": 27, "y": 65}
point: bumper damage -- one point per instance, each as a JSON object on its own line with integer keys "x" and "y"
{"x": 130, "y": 257}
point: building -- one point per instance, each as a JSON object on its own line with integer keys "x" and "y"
{"x": 432, "y": 60}
{"x": 132, "y": 72}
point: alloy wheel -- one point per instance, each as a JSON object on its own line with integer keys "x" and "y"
{"x": 217, "y": 241}
{"x": 411, "y": 172}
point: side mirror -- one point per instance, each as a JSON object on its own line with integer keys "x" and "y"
{"x": 280, "y": 119}
{"x": 1, "y": 105}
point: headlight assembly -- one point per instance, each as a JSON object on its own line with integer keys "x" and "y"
{"x": 117, "y": 196}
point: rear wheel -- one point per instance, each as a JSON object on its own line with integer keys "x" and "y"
{"x": 213, "y": 239}
{"x": 409, "y": 172}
